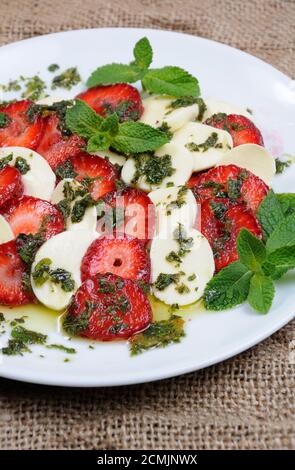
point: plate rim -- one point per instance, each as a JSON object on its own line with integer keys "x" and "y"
{"x": 149, "y": 375}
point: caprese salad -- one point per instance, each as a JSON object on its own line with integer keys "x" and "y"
{"x": 116, "y": 198}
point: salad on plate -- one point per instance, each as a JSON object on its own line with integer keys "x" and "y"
{"x": 123, "y": 210}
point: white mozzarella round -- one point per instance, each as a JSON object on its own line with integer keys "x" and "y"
{"x": 50, "y": 100}
{"x": 114, "y": 158}
{"x": 174, "y": 206}
{"x": 157, "y": 111}
{"x": 193, "y": 134}
{"x": 254, "y": 158}
{"x": 193, "y": 273}
{"x": 6, "y": 234}
{"x": 215, "y": 107}
{"x": 90, "y": 217}
{"x": 181, "y": 162}
{"x": 66, "y": 251}
{"x": 39, "y": 181}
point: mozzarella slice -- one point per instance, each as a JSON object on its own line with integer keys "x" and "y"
{"x": 254, "y": 158}
{"x": 193, "y": 134}
{"x": 181, "y": 162}
{"x": 215, "y": 107}
{"x": 39, "y": 181}
{"x": 6, "y": 234}
{"x": 113, "y": 157}
{"x": 193, "y": 273}
{"x": 50, "y": 100}
{"x": 157, "y": 111}
{"x": 174, "y": 206}
{"x": 66, "y": 251}
{"x": 90, "y": 217}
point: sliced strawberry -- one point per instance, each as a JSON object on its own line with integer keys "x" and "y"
{"x": 13, "y": 276}
{"x": 221, "y": 225}
{"x": 124, "y": 256}
{"x": 11, "y": 185}
{"x": 20, "y": 131}
{"x": 231, "y": 181}
{"x": 101, "y": 171}
{"x": 55, "y": 147}
{"x": 122, "y": 98}
{"x": 130, "y": 211}
{"x": 107, "y": 307}
{"x": 193, "y": 180}
{"x": 32, "y": 215}
{"x": 242, "y": 129}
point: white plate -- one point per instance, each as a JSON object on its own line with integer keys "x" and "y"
{"x": 226, "y": 74}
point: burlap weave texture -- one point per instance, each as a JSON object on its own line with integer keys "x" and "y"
{"x": 246, "y": 402}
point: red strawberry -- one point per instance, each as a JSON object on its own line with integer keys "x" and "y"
{"x": 242, "y": 129}
{"x": 32, "y": 215}
{"x": 107, "y": 307}
{"x": 101, "y": 170}
{"x": 124, "y": 256}
{"x": 233, "y": 182}
{"x": 131, "y": 211}
{"x": 122, "y": 98}
{"x": 20, "y": 130}
{"x": 193, "y": 180}
{"x": 55, "y": 147}
{"x": 221, "y": 225}
{"x": 12, "y": 276}
{"x": 11, "y": 185}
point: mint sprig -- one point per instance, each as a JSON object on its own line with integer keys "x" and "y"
{"x": 260, "y": 263}
{"x": 169, "y": 80}
{"x": 101, "y": 134}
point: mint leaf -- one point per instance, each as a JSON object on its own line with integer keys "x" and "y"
{"x": 261, "y": 292}
{"x": 272, "y": 271}
{"x": 251, "y": 250}
{"x": 99, "y": 141}
{"x": 110, "y": 124}
{"x": 143, "y": 53}
{"x": 283, "y": 258}
{"x": 228, "y": 288}
{"x": 171, "y": 81}
{"x": 83, "y": 120}
{"x": 287, "y": 202}
{"x": 270, "y": 213}
{"x": 137, "y": 137}
{"x": 115, "y": 73}
{"x": 283, "y": 235}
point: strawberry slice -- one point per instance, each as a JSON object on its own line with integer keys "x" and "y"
{"x": 233, "y": 182}
{"x": 21, "y": 130}
{"x": 101, "y": 171}
{"x": 124, "y": 256}
{"x": 107, "y": 307}
{"x": 122, "y": 99}
{"x": 130, "y": 211}
{"x": 55, "y": 147}
{"x": 242, "y": 129}
{"x": 11, "y": 185}
{"x": 32, "y": 215}
{"x": 221, "y": 224}
{"x": 13, "y": 275}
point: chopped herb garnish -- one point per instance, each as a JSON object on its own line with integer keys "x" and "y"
{"x": 158, "y": 334}
{"x": 182, "y": 102}
{"x": 53, "y": 67}
{"x": 74, "y": 325}
{"x": 66, "y": 79}
{"x": 22, "y": 165}
{"x": 2, "y": 317}
{"x": 219, "y": 209}
{"x": 80, "y": 207}
{"x": 43, "y": 273}
{"x": 21, "y": 334}
{"x": 5, "y": 161}
{"x": 34, "y": 88}
{"x": 211, "y": 141}
{"x": 61, "y": 347}
{"x": 165, "y": 128}
{"x": 5, "y": 120}
{"x": 164, "y": 280}
{"x": 153, "y": 168}
{"x": 182, "y": 289}
{"x": 281, "y": 165}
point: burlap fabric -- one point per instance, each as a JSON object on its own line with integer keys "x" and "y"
{"x": 246, "y": 402}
